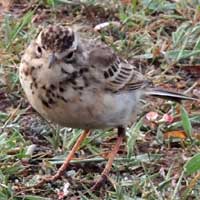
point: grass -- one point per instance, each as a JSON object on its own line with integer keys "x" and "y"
{"x": 162, "y": 39}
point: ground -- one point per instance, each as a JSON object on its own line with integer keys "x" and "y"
{"x": 159, "y": 159}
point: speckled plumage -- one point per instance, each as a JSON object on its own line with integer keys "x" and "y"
{"x": 79, "y": 83}
{"x": 57, "y": 38}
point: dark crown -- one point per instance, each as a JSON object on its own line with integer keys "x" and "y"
{"x": 57, "y": 38}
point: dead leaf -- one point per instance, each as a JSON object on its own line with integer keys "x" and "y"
{"x": 126, "y": 2}
{"x": 196, "y": 135}
{"x": 193, "y": 69}
{"x": 156, "y": 52}
{"x": 175, "y": 134}
{"x": 194, "y": 181}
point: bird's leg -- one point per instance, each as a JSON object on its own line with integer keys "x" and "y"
{"x": 69, "y": 157}
{"x": 104, "y": 174}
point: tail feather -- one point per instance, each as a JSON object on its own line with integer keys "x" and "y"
{"x": 165, "y": 94}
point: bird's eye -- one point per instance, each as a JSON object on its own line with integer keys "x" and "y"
{"x": 39, "y": 51}
{"x": 69, "y": 57}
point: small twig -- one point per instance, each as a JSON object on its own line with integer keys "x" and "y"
{"x": 12, "y": 115}
{"x": 190, "y": 88}
{"x": 177, "y": 186}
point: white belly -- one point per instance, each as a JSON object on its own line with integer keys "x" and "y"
{"x": 90, "y": 110}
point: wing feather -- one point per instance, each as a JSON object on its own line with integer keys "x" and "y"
{"x": 118, "y": 75}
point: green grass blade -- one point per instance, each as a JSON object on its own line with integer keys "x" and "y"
{"x": 186, "y": 122}
{"x": 193, "y": 165}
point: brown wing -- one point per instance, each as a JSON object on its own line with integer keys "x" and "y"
{"x": 117, "y": 74}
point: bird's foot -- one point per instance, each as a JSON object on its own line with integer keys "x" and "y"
{"x": 99, "y": 182}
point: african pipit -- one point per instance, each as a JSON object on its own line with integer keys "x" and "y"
{"x": 80, "y": 83}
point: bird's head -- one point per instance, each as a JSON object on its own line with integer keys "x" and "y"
{"x": 55, "y": 43}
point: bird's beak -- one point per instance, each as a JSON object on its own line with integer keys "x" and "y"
{"x": 51, "y": 59}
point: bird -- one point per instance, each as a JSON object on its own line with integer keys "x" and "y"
{"x": 79, "y": 82}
